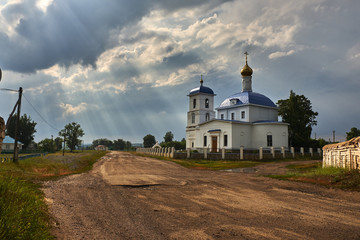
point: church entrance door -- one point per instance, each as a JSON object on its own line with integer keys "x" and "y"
{"x": 214, "y": 144}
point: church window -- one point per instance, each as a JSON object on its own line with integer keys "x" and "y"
{"x": 205, "y": 141}
{"x": 194, "y": 103}
{"x": 192, "y": 144}
{"x": 232, "y": 116}
{"x": 193, "y": 118}
{"x": 206, "y": 103}
{"x": 225, "y": 140}
{"x": 242, "y": 114}
{"x": 269, "y": 141}
{"x": 207, "y": 117}
{"x": 222, "y": 116}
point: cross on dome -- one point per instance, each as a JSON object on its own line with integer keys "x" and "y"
{"x": 246, "y": 70}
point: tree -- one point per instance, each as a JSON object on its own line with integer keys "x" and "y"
{"x": 26, "y": 129}
{"x": 58, "y": 143}
{"x": 119, "y": 144}
{"x": 47, "y": 145}
{"x": 169, "y": 136}
{"x": 354, "y": 132}
{"x": 149, "y": 141}
{"x": 297, "y": 111}
{"x": 72, "y": 132}
{"x": 128, "y": 145}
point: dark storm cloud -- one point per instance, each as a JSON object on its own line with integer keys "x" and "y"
{"x": 70, "y": 32}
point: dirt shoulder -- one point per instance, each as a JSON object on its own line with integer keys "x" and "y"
{"x": 132, "y": 197}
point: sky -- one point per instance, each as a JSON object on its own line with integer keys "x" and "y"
{"x": 123, "y": 69}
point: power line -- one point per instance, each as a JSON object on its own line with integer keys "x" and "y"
{"x": 40, "y": 115}
{"x": 8, "y": 89}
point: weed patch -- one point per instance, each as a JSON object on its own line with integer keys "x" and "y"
{"x": 23, "y": 212}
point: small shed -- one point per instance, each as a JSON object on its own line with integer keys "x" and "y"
{"x": 343, "y": 154}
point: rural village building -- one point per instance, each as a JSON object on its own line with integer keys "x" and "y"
{"x": 9, "y": 143}
{"x": 245, "y": 119}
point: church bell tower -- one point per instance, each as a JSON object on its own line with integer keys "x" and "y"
{"x": 201, "y": 105}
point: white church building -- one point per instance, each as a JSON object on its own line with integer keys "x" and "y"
{"x": 245, "y": 119}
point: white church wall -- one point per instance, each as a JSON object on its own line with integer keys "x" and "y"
{"x": 242, "y": 135}
{"x": 258, "y": 113}
{"x": 278, "y": 131}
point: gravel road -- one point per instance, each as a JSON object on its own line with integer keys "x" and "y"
{"x": 132, "y": 197}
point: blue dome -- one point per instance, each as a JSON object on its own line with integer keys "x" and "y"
{"x": 247, "y": 98}
{"x": 201, "y": 89}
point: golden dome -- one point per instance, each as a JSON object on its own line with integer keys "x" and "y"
{"x": 246, "y": 70}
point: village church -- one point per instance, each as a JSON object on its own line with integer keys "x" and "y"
{"x": 245, "y": 119}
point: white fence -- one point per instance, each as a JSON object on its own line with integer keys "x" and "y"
{"x": 240, "y": 154}
{"x": 165, "y": 152}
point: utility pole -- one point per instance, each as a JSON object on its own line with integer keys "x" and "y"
{"x": 64, "y": 143}
{"x": 52, "y": 143}
{"x": 333, "y": 136}
{"x": 16, "y": 154}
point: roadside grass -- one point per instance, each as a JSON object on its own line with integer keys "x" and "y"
{"x": 329, "y": 176}
{"x": 214, "y": 165}
{"x": 206, "y": 164}
{"x": 23, "y": 212}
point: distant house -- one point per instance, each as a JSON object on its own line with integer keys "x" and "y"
{"x": 101, "y": 148}
{"x": 9, "y": 143}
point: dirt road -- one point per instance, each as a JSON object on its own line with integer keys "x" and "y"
{"x": 131, "y": 197}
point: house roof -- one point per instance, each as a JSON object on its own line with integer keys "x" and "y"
{"x": 10, "y": 140}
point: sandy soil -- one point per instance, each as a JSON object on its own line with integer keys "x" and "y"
{"x": 131, "y": 197}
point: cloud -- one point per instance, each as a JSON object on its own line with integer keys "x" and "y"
{"x": 281, "y": 54}
{"x": 73, "y": 110}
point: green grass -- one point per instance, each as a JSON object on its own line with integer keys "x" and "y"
{"x": 23, "y": 212}
{"x": 214, "y": 164}
{"x": 328, "y": 176}
{"x": 206, "y": 164}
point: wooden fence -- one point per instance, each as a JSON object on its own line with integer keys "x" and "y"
{"x": 344, "y": 154}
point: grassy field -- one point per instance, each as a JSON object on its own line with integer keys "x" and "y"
{"x": 330, "y": 176}
{"x": 23, "y": 212}
{"x": 207, "y": 164}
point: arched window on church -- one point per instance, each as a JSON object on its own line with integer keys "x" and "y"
{"x": 207, "y": 117}
{"x": 269, "y": 140}
{"x": 193, "y": 118}
{"x": 194, "y": 103}
{"x": 206, "y": 103}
